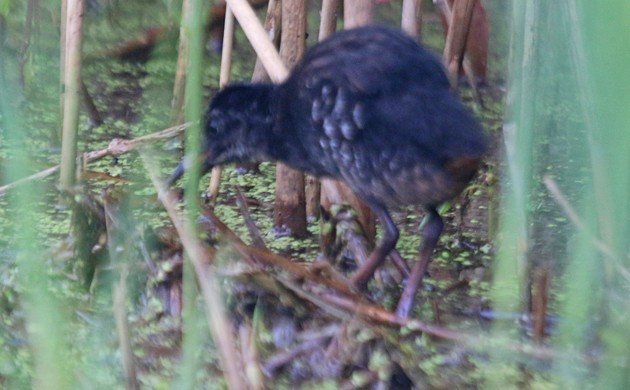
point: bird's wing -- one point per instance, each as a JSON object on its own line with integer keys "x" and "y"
{"x": 343, "y": 83}
{"x": 371, "y": 61}
{"x": 379, "y": 90}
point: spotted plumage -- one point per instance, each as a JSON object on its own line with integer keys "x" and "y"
{"x": 370, "y": 107}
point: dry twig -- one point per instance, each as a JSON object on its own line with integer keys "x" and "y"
{"x": 200, "y": 256}
{"x": 116, "y": 147}
{"x": 254, "y": 232}
{"x": 257, "y": 257}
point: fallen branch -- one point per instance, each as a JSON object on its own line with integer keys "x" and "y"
{"x": 345, "y": 306}
{"x": 254, "y": 232}
{"x": 201, "y": 256}
{"x": 283, "y": 358}
{"x": 257, "y": 256}
{"x": 116, "y": 147}
{"x": 370, "y": 314}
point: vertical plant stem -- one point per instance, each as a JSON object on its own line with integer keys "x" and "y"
{"x": 200, "y": 257}
{"x": 25, "y": 50}
{"x": 44, "y": 316}
{"x": 328, "y": 22}
{"x": 273, "y": 26}
{"x": 458, "y": 29}
{"x": 582, "y": 292}
{"x": 62, "y": 65}
{"x": 513, "y": 239}
{"x": 290, "y": 206}
{"x": 72, "y": 91}
{"x": 224, "y": 79}
{"x": 600, "y": 59}
{"x": 177, "y": 102}
{"x": 540, "y": 302}
{"x": 357, "y": 13}
{"x": 122, "y": 328}
{"x": 411, "y": 14}
{"x": 226, "y": 53}
{"x": 518, "y": 133}
{"x": 259, "y": 40}
{"x": 192, "y": 333}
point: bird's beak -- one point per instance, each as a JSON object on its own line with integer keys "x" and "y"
{"x": 177, "y": 173}
{"x": 185, "y": 164}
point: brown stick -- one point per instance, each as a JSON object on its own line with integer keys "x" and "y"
{"x": 265, "y": 257}
{"x": 259, "y": 40}
{"x": 285, "y": 357}
{"x": 476, "y": 51}
{"x": 290, "y": 206}
{"x": 254, "y": 232}
{"x": 273, "y": 26}
{"x": 116, "y": 147}
{"x": 200, "y": 255}
{"x": 458, "y": 29}
{"x": 540, "y": 298}
{"x": 72, "y": 90}
{"x": 224, "y": 79}
{"x": 348, "y": 227}
{"x": 328, "y": 22}
{"x": 62, "y": 63}
{"x": 312, "y": 191}
{"x": 226, "y": 53}
{"x": 411, "y": 13}
{"x": 357, "y": 13}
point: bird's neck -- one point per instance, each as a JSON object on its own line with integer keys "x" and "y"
{"x": 264, "y": 138}
{"x": 273, "y": 133}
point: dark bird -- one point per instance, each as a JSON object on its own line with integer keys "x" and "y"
{"x": 368, "y": 106}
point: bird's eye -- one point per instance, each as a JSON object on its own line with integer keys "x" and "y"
{"x": 214, "y": 121}
{"x": 215, "y": 125}
{"x": 211, "y": 130}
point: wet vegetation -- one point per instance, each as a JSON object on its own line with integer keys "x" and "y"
{"x": 499, "y": 308}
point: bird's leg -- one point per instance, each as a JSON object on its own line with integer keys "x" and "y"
{"x": 400, "y": 263}
{"x": 430, "y": 235}
{"x": 390, "y": 237}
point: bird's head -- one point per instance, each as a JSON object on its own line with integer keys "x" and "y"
{"x": 237, "y": 128}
